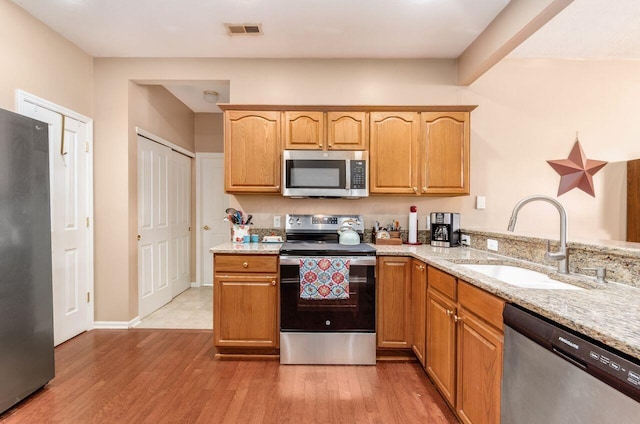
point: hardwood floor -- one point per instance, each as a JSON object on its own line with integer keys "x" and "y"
{"x": 171, "y": 376}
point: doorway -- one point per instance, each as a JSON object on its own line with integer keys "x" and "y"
{"x": 211, "y": 202}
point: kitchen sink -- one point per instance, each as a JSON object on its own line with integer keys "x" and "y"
{"x": 520, "y": 277}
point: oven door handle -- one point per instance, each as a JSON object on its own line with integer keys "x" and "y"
{"x": 354, "y": 261}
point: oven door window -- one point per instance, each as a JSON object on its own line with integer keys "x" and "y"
{"x": 357, "y": 313}
{"x": 316, "y": 174}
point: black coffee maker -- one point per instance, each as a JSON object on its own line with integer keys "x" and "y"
{"x": 445, "y": 229}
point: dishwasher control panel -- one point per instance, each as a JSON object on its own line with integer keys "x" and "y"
{"x": 587, "y": 354}
{"x": 603, "y": 363}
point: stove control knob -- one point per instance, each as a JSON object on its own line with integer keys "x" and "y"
{"x": 327, "y": 322}
{"x": 290, "y": 221}
{"x": 298, "y": 221}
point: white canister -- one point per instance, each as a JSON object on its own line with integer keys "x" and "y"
{"x": 238, "y": 233}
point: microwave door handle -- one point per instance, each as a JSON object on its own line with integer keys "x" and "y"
{"x": 347, "y": 170}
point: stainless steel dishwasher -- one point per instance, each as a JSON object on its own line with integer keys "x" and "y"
{"x": 554, "y": 375}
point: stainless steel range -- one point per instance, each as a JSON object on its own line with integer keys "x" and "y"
{"x": 338, "y": 328}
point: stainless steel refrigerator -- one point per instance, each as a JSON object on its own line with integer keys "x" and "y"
{"x": 26, "y": 306}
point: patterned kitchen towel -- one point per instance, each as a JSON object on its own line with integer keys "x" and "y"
{"x": 324, "y": 278}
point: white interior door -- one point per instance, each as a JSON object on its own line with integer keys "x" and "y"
{"x": 211, "y": 203}
{"x": 180, "y": 217}
{"x": 70, "y": 233}
{"x": 154, "y": 289}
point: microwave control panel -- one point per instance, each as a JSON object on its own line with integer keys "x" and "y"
{"x": 358, "y": 174}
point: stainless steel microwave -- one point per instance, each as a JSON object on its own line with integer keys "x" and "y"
{"x": 319, "y": 173}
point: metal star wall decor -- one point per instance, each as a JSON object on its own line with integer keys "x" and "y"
{"x": 576, "y": 171}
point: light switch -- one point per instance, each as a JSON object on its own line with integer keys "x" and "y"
{"x": 480, "y": 202}
{"x": 276, "y": 221}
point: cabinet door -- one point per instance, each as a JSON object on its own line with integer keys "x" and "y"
{"x": 479, "y": 371}
{"x": 418, "y": 308}
{"x": 347, "y": 131}
{"x": 633, "y": 200}
{"x": 252, "y": 149}
{"x": 245, "y": 310}
{"x": 444, "y": 167}
{"x": 394, "y": 153}
{"x": 441, "y": 344}
{"x": 394, "y": 302}
{"x": 303, "y": 130}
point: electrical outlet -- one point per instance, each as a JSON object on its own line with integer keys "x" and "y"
{"x": 492, "y": 244}
{"x": 276, "y": 221}
{"x": 465, "y": 240}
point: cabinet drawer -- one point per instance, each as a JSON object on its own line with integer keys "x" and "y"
{"x": 441, "y": 281}
{"x": 245, "y": 263}
{"x": 481, "y": 303}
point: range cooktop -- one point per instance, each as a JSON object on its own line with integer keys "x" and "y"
{"x": 317, "y": 235}
{"x": 325, "y": 248}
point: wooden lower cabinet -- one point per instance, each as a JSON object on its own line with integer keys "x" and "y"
{"x": 441, "y": 343}
{"x": 419, "y": 308}
{"x": 394, "y": 302}
{"x": 245, "y": 311}
{"x": 464, "y": 347}
{"x": 479, "y": 371}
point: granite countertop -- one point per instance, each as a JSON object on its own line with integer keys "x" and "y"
{"x": 607, "y": 313}
{"x": 248, "y": 248}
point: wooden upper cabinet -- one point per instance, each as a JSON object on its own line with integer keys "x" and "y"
{"x": 252, "y": 149}
{"x": 347, "y": 131}
{"x": 394, "y": 152}
{"x": 304, "y": 130}
{"x": 444, "y": 168}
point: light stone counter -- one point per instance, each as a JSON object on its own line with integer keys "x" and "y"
{"x": 248, "y": 248}
{"x": 608, "y": 313}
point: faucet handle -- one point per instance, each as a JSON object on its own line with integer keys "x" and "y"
{"x": 601, "y": 273}
{"x": 553, "y": 256}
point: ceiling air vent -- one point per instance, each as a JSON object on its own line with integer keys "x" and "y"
{"x": 247, "y": 29}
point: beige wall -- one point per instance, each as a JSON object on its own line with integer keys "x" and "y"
{"x": 41, "y": 62}
{"x": 209, "y": 134}
{"x": 528, "y": 113}
{"x": 153, "y": 108}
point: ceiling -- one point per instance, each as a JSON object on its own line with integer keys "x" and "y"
{"x": 292, "y": 28}
{"x": 586, "y": 29}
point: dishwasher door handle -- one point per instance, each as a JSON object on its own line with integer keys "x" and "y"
{"x": 575, "y": 361}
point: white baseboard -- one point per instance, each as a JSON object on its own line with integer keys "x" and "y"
{"x": 208, "y": 285}
{"x": 195, "y": 284}
{"x": 116, "y": 325}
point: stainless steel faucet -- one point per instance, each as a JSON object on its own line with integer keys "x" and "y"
{"x": 562, "y": 255}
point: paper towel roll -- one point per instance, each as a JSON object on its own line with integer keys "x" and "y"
{"x": 413, "y": 227}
